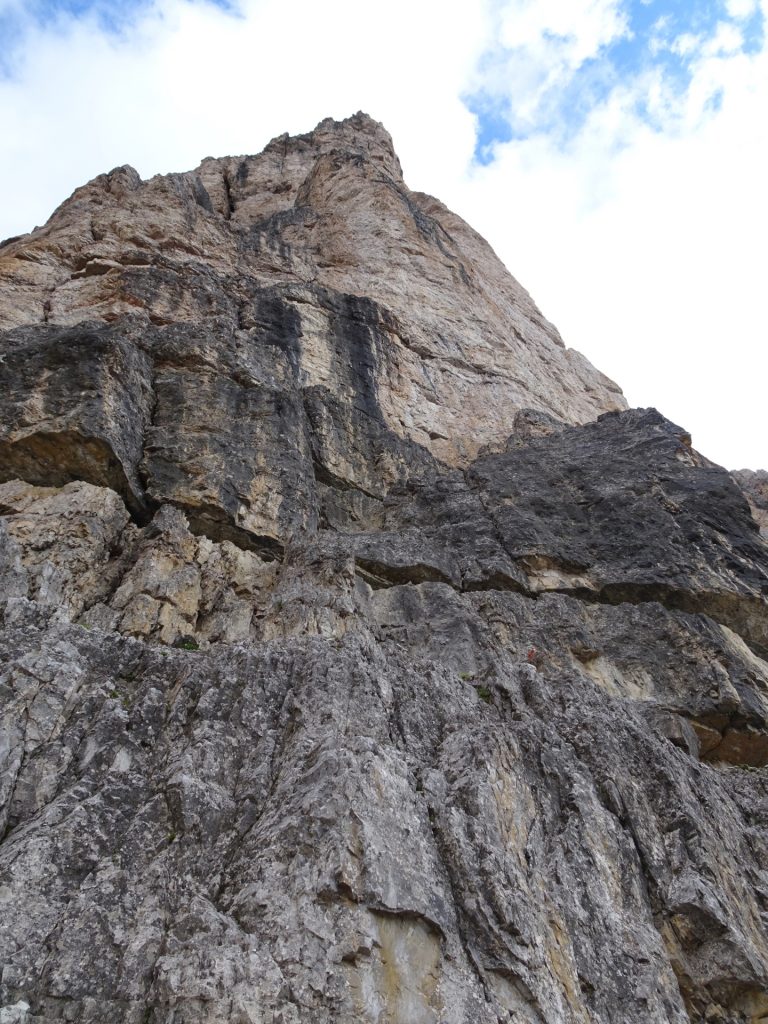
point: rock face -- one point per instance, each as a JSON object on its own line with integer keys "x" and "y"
{"x": 315, "y": 248}
{"x": 755, "y": 486}
{"x": 362, "y": 659}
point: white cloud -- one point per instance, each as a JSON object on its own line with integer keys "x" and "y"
{"x": 686, "y": 44}
{"x": 650, "y": 256}
{"x": 726, "y": 40}
{"x": 191, "y": 80}
{"x": 539, "y": 47}
{"x": 644, "y": 245}
{"x": 582, "y": 25}
{"x": 741, "y": 8}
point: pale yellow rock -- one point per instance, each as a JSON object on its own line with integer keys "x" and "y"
{"x": 67, "y": 538}
{"x": 236, "y": 587}
{"x": 74, "y": 552}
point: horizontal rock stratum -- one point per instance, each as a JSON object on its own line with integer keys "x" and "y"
{"x": 362, "y": 657}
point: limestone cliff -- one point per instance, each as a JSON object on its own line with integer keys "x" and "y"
{"x": 316, "y": 237}
{"x": 755, "y": 487}
{"x": 362, "y": 658}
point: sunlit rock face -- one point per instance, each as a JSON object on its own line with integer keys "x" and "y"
{"x": 315, "y": 248}
{"x": 362, "y": 657}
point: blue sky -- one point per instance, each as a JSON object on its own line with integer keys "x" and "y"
{"x": 659, "y": 41}
{"x": 613, "y": 152}
{"x": 651, "y": 37}
{"x": 19, "y": 18}
{"x": 111, "y": 14}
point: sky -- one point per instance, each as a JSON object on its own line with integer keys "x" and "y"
{"x": 613, "y": 152}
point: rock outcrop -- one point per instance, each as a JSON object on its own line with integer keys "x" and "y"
{"x": 315, "y": 248}
{"x": 755, "y": 487}
{"x": 362, "y": 658}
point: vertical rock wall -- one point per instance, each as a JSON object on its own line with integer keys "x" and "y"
{"x": 362, "y": 659}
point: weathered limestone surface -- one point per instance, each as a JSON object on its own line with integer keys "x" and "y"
{"x": 755, "y": 486}
{"x": 318, "y": 247}
{"x": 310, "y": 717}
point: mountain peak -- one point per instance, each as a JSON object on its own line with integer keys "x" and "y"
{"x": 463, "y": 346}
